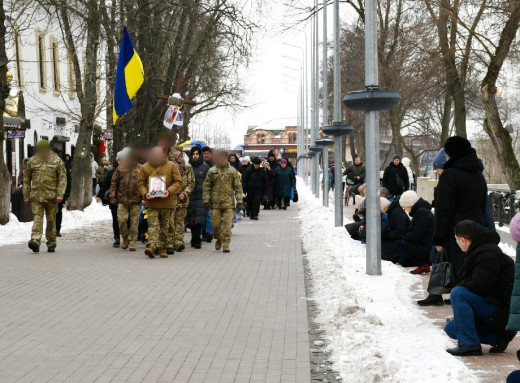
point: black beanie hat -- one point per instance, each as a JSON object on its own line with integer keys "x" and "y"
{"x": 256, "y": 160}
{"x": 456, "y": 145}
{"x": 207, "y": 149}
{"x": 397, "y": 157}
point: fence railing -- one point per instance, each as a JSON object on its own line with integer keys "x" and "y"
{"x": 504, "y": 205}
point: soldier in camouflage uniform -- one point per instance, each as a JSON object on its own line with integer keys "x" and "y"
{"x": 159, "y": 207}
{"x": 176, "y": 229}
{"x": 221, "y": 187}
{"x": 44, "y": 184}
{"x": 125, "y": 193}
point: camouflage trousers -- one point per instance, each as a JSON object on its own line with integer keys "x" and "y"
{"x": 126, "y": 213}
{"x": 158, "y": 227}
{"x": 222, "y": 220}
{"x": 49, "y": 209}
{"x": 176, "y": 230}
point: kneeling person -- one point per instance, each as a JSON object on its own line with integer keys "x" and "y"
{"x": 221, "y": 187}
{"x": 161, "y": 206}
{"x": 481, "y": 299}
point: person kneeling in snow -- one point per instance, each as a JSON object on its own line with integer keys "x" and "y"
{"x": 481, "y": 299}
{"x": 398, "y": 222}
{"x": 416, "y": 245}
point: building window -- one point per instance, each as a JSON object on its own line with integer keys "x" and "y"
{"x": 40, "y": 54}
{"x": 292, "y": 138}
{"x": 18, "y": 56}
{"x": 55, "y": 62}
{"x": 261, "y": 139}
{"x": 71, "y": 77}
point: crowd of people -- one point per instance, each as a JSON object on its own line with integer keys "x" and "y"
{"x": 156, "y": 194}
{"x": 457, "y": 228}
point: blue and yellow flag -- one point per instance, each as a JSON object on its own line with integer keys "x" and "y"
{"x": 129, "y": 77}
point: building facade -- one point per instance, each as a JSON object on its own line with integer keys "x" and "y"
{"x": 43, "y": 102}
{"x": 258, "y": 141}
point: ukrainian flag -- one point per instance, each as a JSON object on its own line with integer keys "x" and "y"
{"x": 129, "y": 77}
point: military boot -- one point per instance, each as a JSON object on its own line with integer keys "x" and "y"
{"x": 131, "y": 246}
{"x": 125, "y": 243}
{"x": 226, "y": 249}
{"x": 218, "y": 244}
{"x": 163, "y": 253}
{"x": 150, "y": 251}
{"x": 34, "y": 246}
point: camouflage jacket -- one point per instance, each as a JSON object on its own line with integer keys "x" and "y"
{"x": 124, "y": 186}
{"x": 188, "y": 184}
{"x": 221, "y": 186}
{"x": 44, "y": 180}
{"x": 167, "y": 170}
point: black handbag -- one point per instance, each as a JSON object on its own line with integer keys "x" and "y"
{"x": 442, "y": 279}
{"x": 295, "y": 196}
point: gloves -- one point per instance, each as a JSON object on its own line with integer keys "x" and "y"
{"x": 240, "y": 207}
{"x": 207, "y": 205}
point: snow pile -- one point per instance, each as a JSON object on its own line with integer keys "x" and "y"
{"x": 374, "y": 330}
{"x": 18, "y": 232}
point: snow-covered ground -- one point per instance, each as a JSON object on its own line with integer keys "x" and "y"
{"x": 374, "y": 329}
{"x": 18, "y": 232}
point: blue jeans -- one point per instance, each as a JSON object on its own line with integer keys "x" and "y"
{"x": 207, "y": 228}
{"x": 471, "y": 323}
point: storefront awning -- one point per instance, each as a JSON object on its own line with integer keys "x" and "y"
{"x": 12, "y": 123}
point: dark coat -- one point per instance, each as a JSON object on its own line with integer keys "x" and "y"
{"x": 284, "y": 181}
{"x": 487, "y": 271}
{"x": 398, "y": 221}
{"x": 460, "y": 195}
{"x": 353, "y": 171}
{"x": 418, "y": 240}
{"x": 237, "y": 165}
{"x": 270, "y": 184}
{"x": 196, "y": 213}
{"x": 514, "y": 316}
{"x": 105, "y": 187}
{"x": 395, "y": 179}
{"x": 255, "y": 181}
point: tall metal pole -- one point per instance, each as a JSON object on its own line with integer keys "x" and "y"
{"x": 338, "y": 147}
{"x": 373, "y": 205}
{"x": 316, "y": 158}
{"x": 313, "y": 103}
{"x": 325, "y": 117}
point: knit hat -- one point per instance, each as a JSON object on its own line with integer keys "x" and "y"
{"x": 43, "y": 145}
{"x": 456, "y": 145}
{"x": 384, "y": 191}
{"x": 362, "y": 189}
{"x": 246, "y": 158}
{"x": 122, "y": 154}
{"x": 440, "y": 159}
{"x": 408, "y": 198}
{"x": 397, "y": 157}
{"x": 256, "y": 160}
{"x": 208, "y": 149}
{"x": 514, "y": 227}
{"x": 271, "y": 154}
{"x": 384, "y": 203}
{"x": 284, "y": 161}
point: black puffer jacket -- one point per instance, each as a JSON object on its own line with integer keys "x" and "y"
{"x": 398, "y": 221}
{"x": 460, "y": 195}
{"x": 395, "y": 179}
{"x": 255, "y": 181}
{"x": 196, "y": 212}
{"x": 418, "y": 239}
{"x": 487, "y": 271}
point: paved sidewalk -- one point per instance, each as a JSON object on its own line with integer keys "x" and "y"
{"x": 91, "y": 313}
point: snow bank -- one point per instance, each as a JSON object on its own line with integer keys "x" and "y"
{"x": 18, "y": 232}
{"x": 374, "y": 330}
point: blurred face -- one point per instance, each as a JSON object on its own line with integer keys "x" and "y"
{"x": 105, "y": 162}
{"x": 463, "y": 243}
{"x": 157, "y": 155}
{"x": 271, "y": 158}
{"x": 283, "y": 165}
{"x": 208, "y": 156}
{"x": 44, "y": 153}
{"x": 232, "y": 159}
{"x": 257, "y": 166}
{"x": 195, "y": 156}
{"x": 357, "y": 161}
{"x": 397, "y": 161}
{"x": 157, "y": 185}
{"x": 222, "y": 160}
{"x": 244, "y": 163}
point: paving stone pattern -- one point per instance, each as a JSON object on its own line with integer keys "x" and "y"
{"x": 91, "y": 313}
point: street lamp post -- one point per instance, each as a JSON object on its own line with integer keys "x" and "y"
{"x": 325, "y": 117}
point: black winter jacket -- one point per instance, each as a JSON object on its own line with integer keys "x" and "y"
{"x": 421, "y": 228}
{"x": 398, "y": 221}
{"x": 196, "y": 213}
{"x": 460, "y": 195}
{"x": 395, "y": 179}
{"x": 353, "y": 171}
{"x": 255, "y": 181}
{"x": 487, "y": 271}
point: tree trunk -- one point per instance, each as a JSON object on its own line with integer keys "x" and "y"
{"x": 493, "y": 126}
{"x": 5, "y": 176}
{"x": 446, "y": 118}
